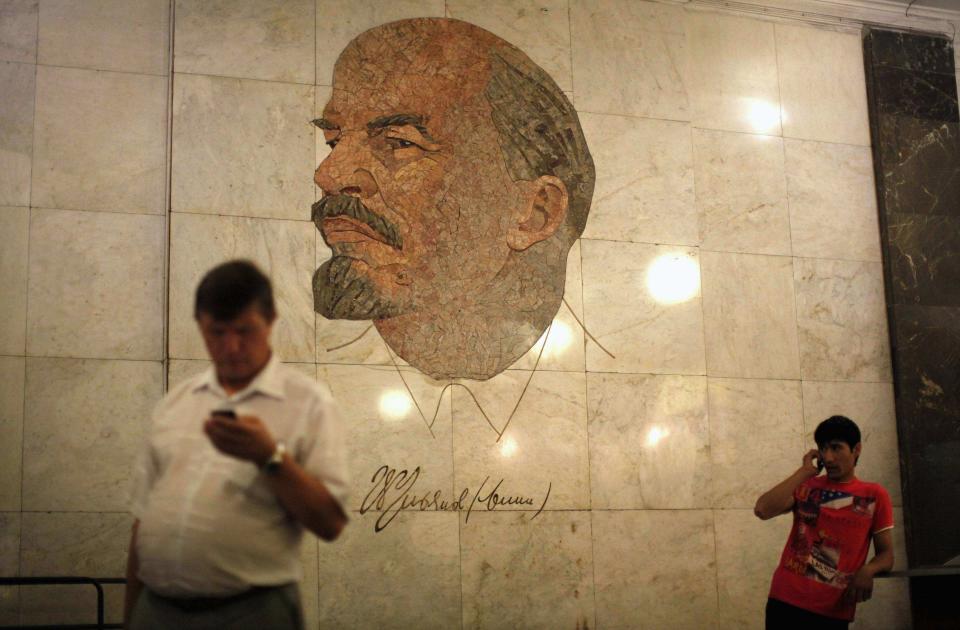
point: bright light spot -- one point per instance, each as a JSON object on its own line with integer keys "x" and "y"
{"x": 763, "y": 116}
{"x": 673, "y": 278}
{"x": 560, "y": 339}
{"x": 655, "y": 434}
{"x": 509, "y": 447}
{"x": 395, "y": 404}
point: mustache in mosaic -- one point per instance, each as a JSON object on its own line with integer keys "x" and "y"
{"x": 350, "y": 206}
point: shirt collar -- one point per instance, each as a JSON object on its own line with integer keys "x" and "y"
{"x": 268, "y": 382}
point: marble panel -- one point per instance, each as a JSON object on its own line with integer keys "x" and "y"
{"x": 18, "y": 31}
{"x": 645, "y": 180}
{"x": 649, "y": 441}
{"x": 542, "y": 454}
{"x": 733, "y": 74}
{"x": 81, "y": 303}
{"x": 749, "y": 316}
{"x": 284, "y": 250}
{"x": 915, "y": 94}
{"x": 820, "y": 100}
{"x": 890, "y": 605}
{"x": 871, "y": 406}
{"x": 833, "y": 202}
{"x": 9, "y": 565}
{"x": 255, "y": 162}
{"x": 755, "y": 425}
{"x": 924, "y": 260}
{"x": 911, "y": 51}
{"x": 914, "y": 150}
{"x": 339, "y": 21}
{"x": 99, "y": 141}
{"x": 655, "y": 569}
{"x": 748, "y": 551}
{"x": 407, "y": 575}
{"x": 179, "y": 370}
{"x": 841, "y": 320}
{"x": 18, "y": 86}
{"x": 78, "y": 544}
{"x": 565, "y": 350}
{"x": 106, "y": 405}
{"x": 15, "y": 227}
{"x": 541, "y": 28}
{"x": 248, "y": 39}
{"x": 741, "y": 192}
{"x": 642, "y": 302}
{"x": 309, "y": 584}
{"x": 505, "y": 558}
{"x": 608, "y": 36}
{"x": 385, "y": 425}
{"x": 11, "y": 432}
{"x": 124, "y": 35}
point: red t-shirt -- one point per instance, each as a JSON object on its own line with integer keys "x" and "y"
{"x": 833, "y": 524}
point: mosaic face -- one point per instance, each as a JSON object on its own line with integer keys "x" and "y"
{"x": 457, "y": 182}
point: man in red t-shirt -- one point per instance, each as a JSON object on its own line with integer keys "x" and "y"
{"x": 823, "y": 571}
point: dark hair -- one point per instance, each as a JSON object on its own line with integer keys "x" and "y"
{"x": 837, "y": 428}
{"x": 539, "y": 130}
{"x": 228, "y": 289}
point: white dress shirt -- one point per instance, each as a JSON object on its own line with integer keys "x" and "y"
{"x": 209, "y": 524}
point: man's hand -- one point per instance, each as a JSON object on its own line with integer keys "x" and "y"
{"x": 245, "y": 438}
{"x": 860, "y": 588}
{"x": 808, "y": 464}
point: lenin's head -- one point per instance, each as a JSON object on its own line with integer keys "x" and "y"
{"x": 458, "y": 180}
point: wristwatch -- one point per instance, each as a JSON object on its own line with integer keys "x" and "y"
{"x": 273, "y": 464}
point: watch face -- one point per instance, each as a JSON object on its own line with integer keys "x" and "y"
{"x": 273, "y": 464}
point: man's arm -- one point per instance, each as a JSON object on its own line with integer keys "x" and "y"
{"x": 303, "y": 496}
{"x": 860, "y": 588}
{"x": 779, "y": 499}
{"x": 134, "y": 585}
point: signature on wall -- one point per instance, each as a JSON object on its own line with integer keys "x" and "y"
{"x": 392, "y": 492}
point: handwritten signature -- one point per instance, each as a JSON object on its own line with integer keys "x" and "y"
{"x": 392, "y": 493}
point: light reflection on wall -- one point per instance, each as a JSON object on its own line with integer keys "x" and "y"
{"x": 560, "y": 339}
{"x": 655, "y": 435}
{"x": 395, "y": 404}
{"x": 762, "y": 115}
{"x": 673, "y": 278}
{"x": 509, "y": 447}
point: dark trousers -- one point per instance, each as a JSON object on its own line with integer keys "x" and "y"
{"x": 783, "y": 616}
{"x": 258, "y": 609}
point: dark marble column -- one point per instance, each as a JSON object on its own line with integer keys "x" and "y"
{"x": 915, "y": 129}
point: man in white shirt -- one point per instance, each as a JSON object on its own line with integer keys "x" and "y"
{"x": 239, "y": 460}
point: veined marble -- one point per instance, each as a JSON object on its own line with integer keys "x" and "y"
{"x": 645, "y": 180}
{"x": 18, "y": 85}
{"x": 121, "y": 35}
{"x": 18, "y": 31}
{"x": 11, "y": 434}
{"x": 649, "y": 441}
{"x": 15, "y": 227}
{"x": 252, "y": 39}
{"x": 267, "y": 132}
{"x": 99, "y": 141}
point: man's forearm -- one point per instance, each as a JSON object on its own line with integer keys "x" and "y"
{"x": 307, "y": 499}
{"x": 779, "y": 499}
{"x": 880, "y": 563}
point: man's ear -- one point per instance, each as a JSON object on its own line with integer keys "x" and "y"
{"x": 545, "y": 211}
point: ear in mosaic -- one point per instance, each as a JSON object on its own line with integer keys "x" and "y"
{"x": 458, "y": 180}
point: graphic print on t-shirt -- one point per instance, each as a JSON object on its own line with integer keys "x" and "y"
{"x": 816, "y": 550}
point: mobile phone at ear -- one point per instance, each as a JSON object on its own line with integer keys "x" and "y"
{"x": 819, "y": 464}
{"x": 228, "y": 414}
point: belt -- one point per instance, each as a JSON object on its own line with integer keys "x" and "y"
{"x": 194, "y": 604}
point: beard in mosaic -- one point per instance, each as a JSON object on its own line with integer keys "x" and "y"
{"x": 457, "y": 182}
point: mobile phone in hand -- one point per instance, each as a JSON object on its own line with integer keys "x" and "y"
{"x": 227, "y": 414}
{"x": 819, "y": 464}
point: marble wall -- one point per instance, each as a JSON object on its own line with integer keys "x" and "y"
{"x": 731, "y": 152}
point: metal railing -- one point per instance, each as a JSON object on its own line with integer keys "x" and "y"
{"x": 96, "y": 583}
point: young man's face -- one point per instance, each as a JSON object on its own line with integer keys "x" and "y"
{"x": 240, "y": 347}
{"x": 839, "y": 460}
